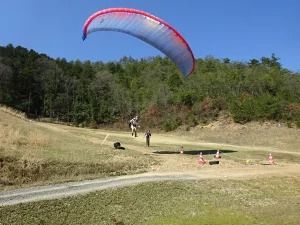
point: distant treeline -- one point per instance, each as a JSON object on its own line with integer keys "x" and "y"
{"x": 91, "y": 94}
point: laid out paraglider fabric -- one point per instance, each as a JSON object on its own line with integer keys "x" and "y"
{"x": 146, "y": 27}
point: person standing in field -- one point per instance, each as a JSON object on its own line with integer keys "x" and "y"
{"x": 147, "y": 136}
{"x": 133, "y": 124}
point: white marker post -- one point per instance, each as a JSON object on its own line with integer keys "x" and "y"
{"x": 104, "y": 139}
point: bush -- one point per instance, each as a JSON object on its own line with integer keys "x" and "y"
{"x": 93, "y": 125}
{"x": 267, "y": 107}
{"x": 171, "y": 124}
{"x": 209, "y": 108}
{"x": 248, "y": 108}
{"x": 191, "y": 120}
{"x": 152, "y": 116}
{"x": 291, "y": 111}
{"x": 243, "y": 111}
{"x": 298, "y": 124}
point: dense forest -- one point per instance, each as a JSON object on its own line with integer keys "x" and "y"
{"x": 96, "y": 93}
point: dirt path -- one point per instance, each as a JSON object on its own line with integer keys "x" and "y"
{"x": 72, "y": 188}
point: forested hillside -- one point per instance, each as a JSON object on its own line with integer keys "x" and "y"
{"x": 90, "y": 94}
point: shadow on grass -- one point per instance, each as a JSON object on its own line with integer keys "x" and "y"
{"x": 194, "y": 152}
{"x": 268, "y": 164}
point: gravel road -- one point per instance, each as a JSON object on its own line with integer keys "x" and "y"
{"x": 74, "y": 188}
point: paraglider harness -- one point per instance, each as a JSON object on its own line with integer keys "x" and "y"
{"x": 132, "y": 122}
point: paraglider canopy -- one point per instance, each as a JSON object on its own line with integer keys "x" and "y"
{"x": 146, "y": 27}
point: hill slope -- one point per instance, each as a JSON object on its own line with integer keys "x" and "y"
{"x": 31, "y": 153}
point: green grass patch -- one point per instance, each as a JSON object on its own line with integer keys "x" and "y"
{"x": 208, "y": 217}
{"x": 265, "y": 201}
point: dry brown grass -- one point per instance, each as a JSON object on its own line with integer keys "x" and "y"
{"x": 36, "y": 139}
{"x": 13, "y": 112}
{"x": 253, "y": 134}
{"x": 35, "y": 153}
{"x": 32, "y": 151}
{"x": 20, "y": 134}
{"x": 20, "y": 143}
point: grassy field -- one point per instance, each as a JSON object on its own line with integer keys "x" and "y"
{"x": 265, "y": 201}
{"x": 254, "y": 134}
{"x": 33, "y": 154}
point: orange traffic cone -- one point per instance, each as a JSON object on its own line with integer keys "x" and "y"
{"x": 201, "y": 160}
{"x": 217, "y": 155}
{"x": 270, "y": 159}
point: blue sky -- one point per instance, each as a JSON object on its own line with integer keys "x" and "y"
{"x": 239, "y": 30}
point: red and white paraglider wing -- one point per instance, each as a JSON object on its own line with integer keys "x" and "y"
{"x": 146, "y": 27}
